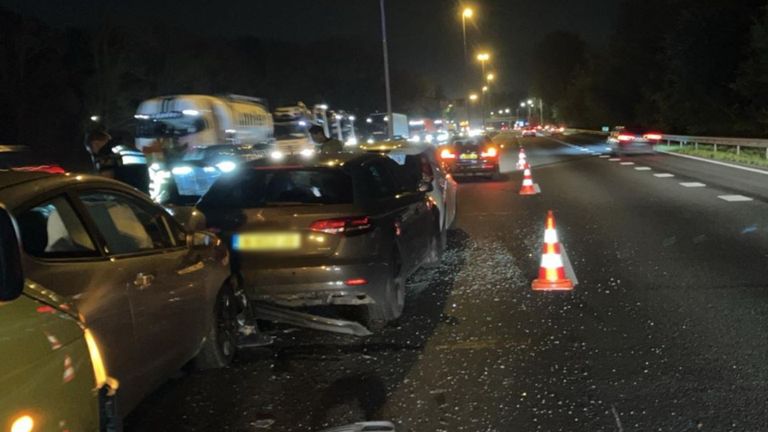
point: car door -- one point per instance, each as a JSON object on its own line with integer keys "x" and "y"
{"x": 409, "y": 208}
{"x": 164, "y": 281}
{"x": 64, "y": 256}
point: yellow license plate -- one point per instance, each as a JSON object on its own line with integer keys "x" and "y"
{"x": 468, "y": 156}
{"x": 266, "y": 241}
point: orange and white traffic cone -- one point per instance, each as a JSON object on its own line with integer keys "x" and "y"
{"x": 521, "y": 162}
{"x": 528, "y": 187}
{"x": 551, "y": 271}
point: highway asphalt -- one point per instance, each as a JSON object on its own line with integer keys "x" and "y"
{"x": 665, "y": 331}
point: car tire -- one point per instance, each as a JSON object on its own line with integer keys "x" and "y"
{"x": 220, "y": 345}
{"x": 376, "y": 316}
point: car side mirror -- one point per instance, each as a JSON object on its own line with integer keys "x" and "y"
{"x": 201, "y": 239}
{"x": 11, "y": 274}
{"x": 425, "y": 185}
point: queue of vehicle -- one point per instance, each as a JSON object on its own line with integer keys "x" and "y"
{"x": 122, "y": 292}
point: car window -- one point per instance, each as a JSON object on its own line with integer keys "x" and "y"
{"x": 53, "y": 230}
{"x": 254, "y": 188}
{"x": 126, "y": 224}
{"x": 381, "y": 181}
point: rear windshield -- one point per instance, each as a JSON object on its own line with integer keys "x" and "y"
{"x": 252, "y": 188}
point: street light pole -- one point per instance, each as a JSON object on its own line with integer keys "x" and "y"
{"x": 390, "y": 122}
{"x": 466, "y": 13}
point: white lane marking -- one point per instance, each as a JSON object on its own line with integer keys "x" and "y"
{"x": 643, "y": 168}
{"x": 614, "y": 159}
{"x": 604, "y": 156}
{"x": 692, "y": 184}
{"x": 664, "y": 175}
{"x": 743, "y": 168}
{"x": 734, "y": 198}
{"x": 627, "y": 163}
{"x": 536, "y": 188}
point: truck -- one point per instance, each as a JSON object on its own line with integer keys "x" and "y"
{"x": 292, "y": 125}
{"x": 376, "y": 125}
{"x": 190, "y": 140}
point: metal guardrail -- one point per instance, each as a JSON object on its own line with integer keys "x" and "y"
{"x": 695, "y": 141}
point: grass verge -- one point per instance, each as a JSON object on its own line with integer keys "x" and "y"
{"x": 747, "y": 156}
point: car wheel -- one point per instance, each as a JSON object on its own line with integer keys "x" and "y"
{"x": 376, "y": 316}
{"x": 221, "y": 343}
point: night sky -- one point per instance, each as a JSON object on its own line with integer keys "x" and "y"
{"x": 424, "y": 35}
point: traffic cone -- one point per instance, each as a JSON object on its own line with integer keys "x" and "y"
{"x": 551, "y": 271}
{"x": 528, "y": 187}
{"x": 521, "y": 159}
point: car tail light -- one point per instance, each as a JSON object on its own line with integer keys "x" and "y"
{"x": 447, "y": 154}
{"x": 490, "y": 152}
{"x": 356, "y": 282}
{"x": 653, "y": 136}
{"x": 626, "y": 137}
{"x": 341, "y": 225}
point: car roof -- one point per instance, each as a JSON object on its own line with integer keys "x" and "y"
{"x": 323, "y": 161}
{"x": 16, "y": 187}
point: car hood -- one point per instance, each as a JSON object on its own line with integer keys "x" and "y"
{"x": 31, "y": 329}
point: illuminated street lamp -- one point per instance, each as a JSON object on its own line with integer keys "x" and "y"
{"x": 473, "y": 97}
{"x": 522, "y": 104}
{"x": 485, "y": 89}
{"x": 490, "y": 77}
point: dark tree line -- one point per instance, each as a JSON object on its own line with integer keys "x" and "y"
{"x": 684, "y": 66}
{"x": 53, "y": 80}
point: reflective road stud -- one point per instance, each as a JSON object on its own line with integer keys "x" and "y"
{"x": 551, "y": 271}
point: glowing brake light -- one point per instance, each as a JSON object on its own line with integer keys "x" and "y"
{"x": 447, "y": 154}
{"x": 341, "y": 225}
{"x": 653, "y": 136}
{"x": 490, "y": 152}
{"x": 356, "y": 282}
{"x": 626, "y": 137}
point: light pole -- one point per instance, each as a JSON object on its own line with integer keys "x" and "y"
{"x": 472, "y": 98}
{"x": 390, "y": 123}
{"x": 483, "y": 57}
{"x": 465, "y": 14}
{"x": 489, "y": 79}
{"x": 483, "y": 103}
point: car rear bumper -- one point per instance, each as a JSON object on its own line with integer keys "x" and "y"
{"x": 634, "y": 148}
{"x": 317, "y": 285}
{"x": 481, "y": 167}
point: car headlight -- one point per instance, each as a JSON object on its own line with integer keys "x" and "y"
{"x": 182, "y": 170}
{"x": 307, "y": 153}
{"x": 277, "y": 155}
{"x": 226, "y": 166}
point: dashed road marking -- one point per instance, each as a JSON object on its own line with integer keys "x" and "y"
{"x": 643, "y": 168}
{"x": 614, "y": 159}
{"x": 734, "y": 198}
{"x": 692, "y": 184}
{"x": 627, "y": 163}
{"x": 604, "y": 156}
{"x": 664, "y": 175}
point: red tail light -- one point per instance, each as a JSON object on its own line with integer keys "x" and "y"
{"x": 655, "y": 136}
{"x": 447, "y": 154}
{"x": 356, "y": 282}
{"x": 490, "y": 152}
{"x": 341, "y": 225}
{"x": 626, "y": 137}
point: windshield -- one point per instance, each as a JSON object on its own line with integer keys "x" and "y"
{"x": 254, "y": 188}
{"x": 178, "y": 126}
{"x": 291, "y": 131}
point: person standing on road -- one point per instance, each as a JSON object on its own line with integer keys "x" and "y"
{"x": 327, "y": 145}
